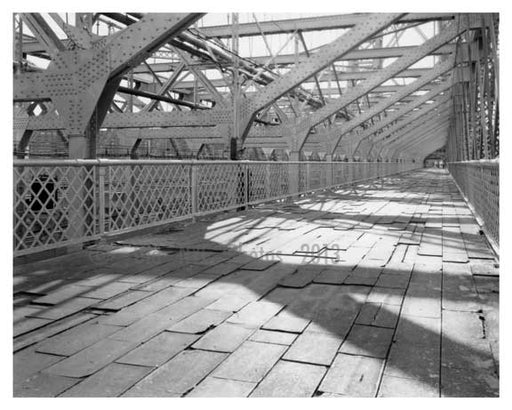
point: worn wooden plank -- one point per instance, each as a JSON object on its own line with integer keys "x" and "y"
{"x": 73, "y": 340}
{"x": 368, "y": 341}
{"x": 146, "y": 306}
{"x": 160, "y": 320}
{"x": 355, "y": 376}
{"x": 178, "y": 375}
{"x": 159, "y": 349}
{"x": 63, "y": 309}
{"x": 378, "y": 314}
{"x": 125, "y": 299}
{"x": 392, "y": 386}
{"x": 287, "y": 321}
{"x": 314, "y": 348}
{"x": 91, "y": 359}
{"x": 200, "y": 321}
{"x": 51, "y": 329}
{"x": 255, "y": 314}
{"x": 28, "y": 362}
{"x": 217, "y": 388}
{"x": 250, "y": 362}
{"x": 111, "y": 381}
{"x": 269, "y": 336}
{"x": 287, "y": 379}
{"x": 224, "y": 338}
{"x": 43, "y": 385}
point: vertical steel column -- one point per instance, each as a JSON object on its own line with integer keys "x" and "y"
{"x": 308, "y": 176}
{"x": 329, "y": 170}
{"x": 236, "y": 89}
{"x": 101, "y": 198}
{"x": 293, "y": 172}
{"x": 193, "y": 181}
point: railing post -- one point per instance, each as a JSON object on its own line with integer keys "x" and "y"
{"x": 193, "y": 189}
{"x": 293, "y": 173}
{"x": 267, "y": 180}
{"x": 329, "y": 170}
{"x": 101, "y": 198}
{"x": 77, "y": 197}
{"x": 246, "y": 184}
{"x": 308, "y": 176}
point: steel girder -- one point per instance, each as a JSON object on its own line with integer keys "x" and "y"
{"x": 373, "y": 24}
{"x": 76, "y": 79}
{"x": 474, "y": 132}
{"x": 291, "y": 59}
{"x": 426, "y": 145}
{"x": 258, "y": 135}
{"x": 335, "y": 133}
{"x": 426, "y": 124}
{"x": 342, "y": 21}
{"x": 49, "y": 40}
{"x": 399, "y": 113}
{"x": 434, "y": 127}
{"x": 447, "y": 34}
{"x": 416, "y": 115}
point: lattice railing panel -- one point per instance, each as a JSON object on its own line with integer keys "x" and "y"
{"x": 318, "y": 174}
{"x": 259, "y": 180}
{"x": 66, "y": 202}
{"x": 141, "y": 195}
{"x": 221, "y": 186}
{"x": 479, "y": 183}
{"x": 53, "y": 205}
{"x": 279, "y": 182}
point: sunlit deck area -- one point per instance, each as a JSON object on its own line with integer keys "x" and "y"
{"x": 384, "y": 288}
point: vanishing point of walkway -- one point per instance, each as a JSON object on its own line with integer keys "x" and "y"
{"x": 377, "y": 290}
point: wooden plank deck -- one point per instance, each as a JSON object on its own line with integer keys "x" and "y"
{"x": 355, "y": 292}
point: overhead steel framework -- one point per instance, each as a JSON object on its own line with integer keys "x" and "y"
{"x": 335, "y": 99}
{"x": 375, "y": 87}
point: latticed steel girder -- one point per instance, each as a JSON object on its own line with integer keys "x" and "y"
{"x": 439, "y": 125}
{"x": 336, "y": 133}
{"x": 446, "y": 35}
{"x": 342, "y": 21}
{"x": 373, "y": 24}
{"x": 400, "y": 112}
{"x": 381, "y": 148}
{"x": 206, "y": 118}
{"x": 403, "y": 125}
{"x": 284, "y": 60}
{"x": 43, "y": 32}
{"x": 75, "y": 79}
{"x": 368, "y": 150}
{"x": 416, "y": 115}
{"x": 428, "y": 124}
{"x": 423, "y": 146}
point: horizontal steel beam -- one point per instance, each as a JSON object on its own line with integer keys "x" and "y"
{"x": 372, "y": 24}
{"x": 336, "y": 132}
{"x": 342, "y": 21}
{"x": 416, "y": 115}
{"x": 401, "y": 64}
{"x": 164, "y": 98}
{"x": 432, "y": 126}
{"x": 402, "y": 111}
{"x": 427, "y": 121}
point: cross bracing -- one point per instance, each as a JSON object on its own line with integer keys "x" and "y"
{"x": 345, "y": 86}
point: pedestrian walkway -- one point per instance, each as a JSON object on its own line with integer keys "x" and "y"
{"x": 384, "y": 289}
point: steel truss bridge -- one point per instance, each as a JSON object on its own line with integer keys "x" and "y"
{"x": 118, "y": 116}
